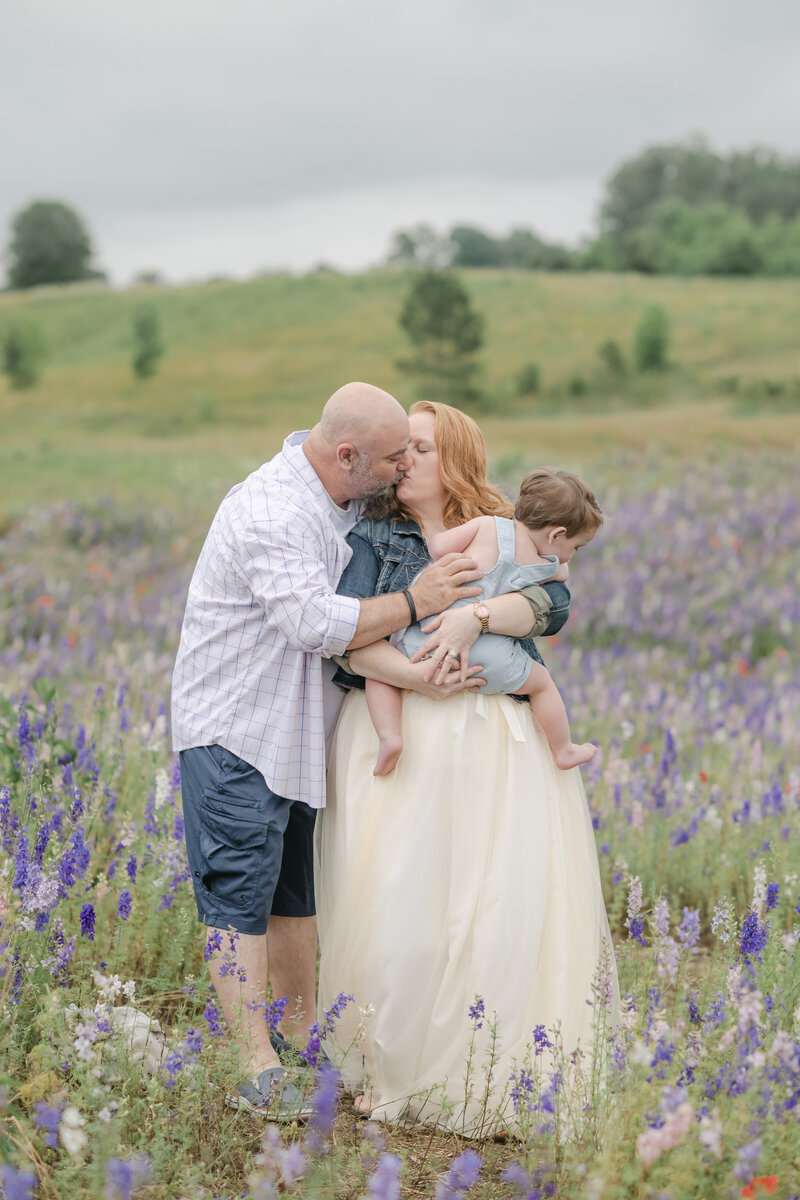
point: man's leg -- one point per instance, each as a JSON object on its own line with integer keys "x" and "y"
{"x": 292, "y": 930}
{"x": 292, "y": 947}
{"x": 234, "y": 838}
{"x": 242, "y": 1003}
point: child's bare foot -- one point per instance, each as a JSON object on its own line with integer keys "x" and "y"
{"x": 573, "y": 755}
{"x": 390, "y": 748}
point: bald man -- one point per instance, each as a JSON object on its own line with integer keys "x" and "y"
{"x": 250, "y": 708}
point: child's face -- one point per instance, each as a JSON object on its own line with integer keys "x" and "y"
{"x": 564, "y": 546}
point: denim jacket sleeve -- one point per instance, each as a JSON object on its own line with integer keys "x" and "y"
{"x": 360, "y": 576}
{"x": 550, "y": 603}
{"x": 359, "y": 579}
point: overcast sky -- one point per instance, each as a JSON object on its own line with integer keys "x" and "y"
{"x": 199, "y": 137}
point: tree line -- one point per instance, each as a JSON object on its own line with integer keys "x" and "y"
{"x": 678, "y": 209}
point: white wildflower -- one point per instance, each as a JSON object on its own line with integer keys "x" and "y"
{"x": 364, "y": 1012}
{"x": 628, "y": 1016}
{"x": 73, "y": 1139}
{"x": 782, "y": 1046}
{"x": 759, "y": 888}
{"x": 85, "y": 1035}
{"x": 109, "y": 986}
{"x": 162, "y": 789}
{"x": 129, "y": 990}
{"x": 710, "y": 1135}
{"x": 639, "y": 1055}
{"x": 750, "y": 1005}
{"x": 713, "y": 818}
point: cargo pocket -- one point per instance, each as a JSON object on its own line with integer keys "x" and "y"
{"x": 233, "y": 853}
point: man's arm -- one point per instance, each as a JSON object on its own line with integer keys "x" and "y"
{"x": 436, "y": 588}
{"x": 385, "y": 662}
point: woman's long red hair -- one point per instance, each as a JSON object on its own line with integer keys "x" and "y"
{"x": 462, "y": 466}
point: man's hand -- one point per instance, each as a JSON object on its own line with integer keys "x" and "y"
{"x": 443, "y": 582}
{"x": 453, "y": 683}
{"x": 453, "y": 633}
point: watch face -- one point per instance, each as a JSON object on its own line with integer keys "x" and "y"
{"x": 481, "y": 610}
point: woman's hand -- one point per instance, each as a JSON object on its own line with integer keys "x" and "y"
{"x": 447, "y": 650}
{"x": 451, "y": 684}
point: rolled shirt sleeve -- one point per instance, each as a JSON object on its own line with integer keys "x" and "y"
{"x": 284, "y": 565}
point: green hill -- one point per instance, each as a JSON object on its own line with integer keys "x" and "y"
{"x": 246, "y": 362}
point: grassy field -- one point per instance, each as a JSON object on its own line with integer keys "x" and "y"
{"x": 680, "y": 660}
{"x": 247, "y": 362}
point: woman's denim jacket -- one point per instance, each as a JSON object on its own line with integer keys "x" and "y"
{"x": 389, "y": 554}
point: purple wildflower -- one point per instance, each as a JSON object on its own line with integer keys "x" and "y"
{"x": 214, "y": 1018}
{"x": 87, "y": 922}
{"x": 661, "y": 918}
{"x": 384, "y": 1182}
{"x": 5, "y": 807}
{"x": 47, "y": 1117}
{"x": 173, "y": 1065}
{"x": 689, "y": 928}
{"x": 747, "y": 1161}
{"x": 324, "y": 1101}
{"x": 462, "y": 1173}
{"x": 130, "y": 867}
{"x": 17, "y": 1185}
{"x": 124, "y": 904}
{"x": 318, "y": 1032}
{"x": 194, "y": 1040}
{"x": 125, "y": 1175}
{"x": 541, "y": 1041}
{"x": 773, "y": 895}
{"x": 293, "y": 1164}
{"x": 477, "y": 1012}
{"x": 213, "y": 944}
{"x": 754, "y": 937}
{"x": 522, "y": 1092}
{"x": 634, "y": 922}
{"x": 273, "y": 1013}
{"x": 21, "y": 862}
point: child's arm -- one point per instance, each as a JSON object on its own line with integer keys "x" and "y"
{"x": 456, "y": 540}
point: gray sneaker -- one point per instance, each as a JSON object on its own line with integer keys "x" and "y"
{"x": 273, "y": 1095}
{"x": 290, "y": 1056}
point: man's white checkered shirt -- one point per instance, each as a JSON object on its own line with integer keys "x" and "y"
{"x": 261, "y": 614}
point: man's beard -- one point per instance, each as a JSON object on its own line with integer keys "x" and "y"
{"x": 367, "y": 483}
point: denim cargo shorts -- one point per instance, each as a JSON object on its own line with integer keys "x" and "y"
{"x": 250, "y": 852}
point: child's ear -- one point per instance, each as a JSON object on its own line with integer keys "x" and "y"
{"x": 556, "y": 531}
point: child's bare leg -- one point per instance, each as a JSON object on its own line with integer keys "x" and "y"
{"x": 385, "y": 708}
{"x": 548, "y": 708}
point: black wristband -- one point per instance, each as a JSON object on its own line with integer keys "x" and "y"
{"x": 412, "y": 608}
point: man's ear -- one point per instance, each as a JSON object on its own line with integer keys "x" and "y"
{"x": 346, "y": 456}
{"x": 556, "y": 531}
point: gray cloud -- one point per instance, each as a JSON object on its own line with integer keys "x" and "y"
{"x": 186, "y": 106}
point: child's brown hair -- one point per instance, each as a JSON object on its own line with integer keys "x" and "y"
{"x": 549, "y": 496}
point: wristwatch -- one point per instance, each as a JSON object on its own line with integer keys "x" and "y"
{"x": 482, "y": 613}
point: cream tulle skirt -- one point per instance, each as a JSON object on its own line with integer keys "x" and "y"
{"x": 470, "y": 872}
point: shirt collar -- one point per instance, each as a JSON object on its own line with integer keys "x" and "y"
{"x": 295, "y": 457}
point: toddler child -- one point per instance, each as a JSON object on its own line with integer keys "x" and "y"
{"x": 555, "y": 515}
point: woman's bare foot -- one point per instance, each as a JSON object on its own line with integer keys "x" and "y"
{"x": 390, "y": 747}
{"x": 362, "y": 1105}
{"x": 573, "y": 755}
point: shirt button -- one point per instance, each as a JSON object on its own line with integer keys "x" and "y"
{"x": 237, "y": 841}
